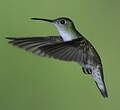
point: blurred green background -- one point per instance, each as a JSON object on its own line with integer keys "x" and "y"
{"x": 30, "y": 82}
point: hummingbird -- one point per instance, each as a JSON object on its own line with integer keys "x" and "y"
{"x": 69, "y": 46}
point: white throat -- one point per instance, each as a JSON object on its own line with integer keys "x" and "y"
{"x": 66, "y": 36}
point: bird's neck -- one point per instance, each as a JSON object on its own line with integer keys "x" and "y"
{"x": 69, "y": 35}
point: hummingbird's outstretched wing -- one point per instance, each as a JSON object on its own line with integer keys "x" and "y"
{"x": 79, "y": 50}
{"x": 52, "y": 46}
{"x": 34, "y": 43}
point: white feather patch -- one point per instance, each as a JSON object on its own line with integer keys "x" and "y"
{"x": 97, "y": 77}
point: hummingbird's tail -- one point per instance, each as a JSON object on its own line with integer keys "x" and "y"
{"x": 102, "y": 89}
{"x": 99, "y": 80}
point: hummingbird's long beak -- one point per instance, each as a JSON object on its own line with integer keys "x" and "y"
{"x": 42, "y": 19}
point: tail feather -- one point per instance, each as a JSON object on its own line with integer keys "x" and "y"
{"x": 103, "y": 91}
{"x": 97, "y": 74}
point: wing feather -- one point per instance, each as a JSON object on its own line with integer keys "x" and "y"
{"x": 52, "y": 46}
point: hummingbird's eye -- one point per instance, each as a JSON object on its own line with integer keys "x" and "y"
{"x": 62, "y": 22}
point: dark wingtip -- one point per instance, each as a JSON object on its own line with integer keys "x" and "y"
{"x": 10, "y": 38}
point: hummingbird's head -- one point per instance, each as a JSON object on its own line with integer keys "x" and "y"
{"x": 63, "y": 22}
{"x": 64, "y": 25}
